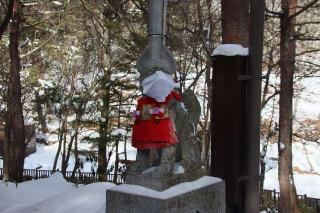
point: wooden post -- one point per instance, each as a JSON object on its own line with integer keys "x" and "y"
{"x": 227, "y": 127}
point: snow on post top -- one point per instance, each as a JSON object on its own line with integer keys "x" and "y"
{"x": 230, "y": 50}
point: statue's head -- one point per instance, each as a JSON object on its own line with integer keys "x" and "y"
{"x": 158, "y": 85}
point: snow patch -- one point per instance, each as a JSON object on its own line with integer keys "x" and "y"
{"x": 57, "y": 3}
{"x": 119, "y": 132}
{"x": 178, "y": 168}
{"x": 230, "y": 50}
{"x": 282, "y": 146}
{"x": 183, "y": 106}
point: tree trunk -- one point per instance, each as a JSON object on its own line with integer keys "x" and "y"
{"x": 76, "y": 152}
{"x": 41, "y": 117}
{"x": 60, "y": 138}
{"x": 235, "y": 22}
{"x": 116, "y": 165}
{"x": 76, "y": 157}
{"x": 102, "y": 146}
{"x": 63, "y": 155}
{"x": 288, "y": 197}
{"x": 15, "y": 122}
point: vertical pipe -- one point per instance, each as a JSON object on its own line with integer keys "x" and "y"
{"x": 251, "y": 203}
{"x": 156, "y": 17}
{"x": 164, "y": 24}
{"x": 157, "y": 22}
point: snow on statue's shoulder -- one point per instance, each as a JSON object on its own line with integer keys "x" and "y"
{"x": 168, "y": 193}
{"x": 230, "y": 50}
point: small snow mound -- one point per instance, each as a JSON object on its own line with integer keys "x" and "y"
{"x": 177, "y": 168}
{"x": 120, "y": 132}
{"x": 56, "y": 179}
{"x": 230, "y": 50}
{"x": 57, "y": 3}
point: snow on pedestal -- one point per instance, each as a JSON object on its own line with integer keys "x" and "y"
{"x": 230, "y": 50}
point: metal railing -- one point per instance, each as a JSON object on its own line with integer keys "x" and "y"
{"x": 82, "y": 177}
{"x": 307, "y": 204}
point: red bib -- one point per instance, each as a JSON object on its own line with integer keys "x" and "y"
{"x": 153, "y": 127}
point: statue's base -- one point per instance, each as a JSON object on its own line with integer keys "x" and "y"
{"x": 162, "y": 183}
{"x": 206, "y": 194}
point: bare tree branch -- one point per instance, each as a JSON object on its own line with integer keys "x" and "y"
{"x": 304, "y": 8}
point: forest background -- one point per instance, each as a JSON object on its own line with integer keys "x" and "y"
{"x": 79, "y": 81}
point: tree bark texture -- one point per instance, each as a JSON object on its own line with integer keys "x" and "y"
{"x": 60, "y": 138}
{"x": 15, "y": 121}
{"x": 102, "y": 146}
{"x": 104, "y": 123}
{"x": 288, "y": 197}
{"x": 235, "y": 22}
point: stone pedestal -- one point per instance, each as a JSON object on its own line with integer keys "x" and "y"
{"x": 205, "y": 195}
{"x": 163, "y": 183}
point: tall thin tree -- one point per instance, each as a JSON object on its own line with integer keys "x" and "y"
{"x": 15, "y": 135}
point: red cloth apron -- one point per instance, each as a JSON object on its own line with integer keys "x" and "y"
{"x": 154, "y": 130}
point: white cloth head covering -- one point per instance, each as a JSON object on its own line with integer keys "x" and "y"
{"x": 158, "y": 85}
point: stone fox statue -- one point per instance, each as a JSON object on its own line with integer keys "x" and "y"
{"x": 166, "y": 121}
{"x": 165, "y": 126}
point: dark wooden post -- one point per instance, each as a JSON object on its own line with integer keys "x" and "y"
{"x": 228, "y": 132}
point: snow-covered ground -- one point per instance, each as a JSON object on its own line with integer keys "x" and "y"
{"x": 45, "y": 155}
{"x": 308, "y": 104}
{"x": 55, "y": 195}
{"x": 306, "y": 165}
{"x": 52, "y": 195}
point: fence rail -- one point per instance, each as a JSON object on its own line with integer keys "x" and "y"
{"x": 308, "y": 204}
{"x": 270, "y": 198}
{"x": 85, "y": 177}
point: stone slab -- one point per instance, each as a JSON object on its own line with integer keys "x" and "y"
{"x": 162, "y": 183}
{"x": 205, "y": 195}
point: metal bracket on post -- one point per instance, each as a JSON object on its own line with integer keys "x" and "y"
{"x": 251, "y": 77}
{"x": 247, "y": 178}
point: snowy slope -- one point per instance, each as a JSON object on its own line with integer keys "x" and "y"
{"x": 53, "y": 194}
{"x": 306, "y": 164}
{"x": 45, "y": 155}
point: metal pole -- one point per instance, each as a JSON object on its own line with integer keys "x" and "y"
{"x": 164, "y": 25}
{"x": 257, "y": 8}
{"x": 156, "y": 17}
{"x": 156, "y": 56}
